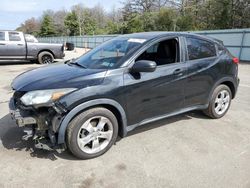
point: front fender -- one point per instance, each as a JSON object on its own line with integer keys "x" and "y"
{"x": 85, "y": 105}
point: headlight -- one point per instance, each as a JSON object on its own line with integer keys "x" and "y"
{"x": 44, "y": 96}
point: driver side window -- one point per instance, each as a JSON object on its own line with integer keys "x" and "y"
{"x": 162, "y": 53}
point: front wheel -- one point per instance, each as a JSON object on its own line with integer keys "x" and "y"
{"x": 91, "y": 133}
{"x": 220, "y": 102}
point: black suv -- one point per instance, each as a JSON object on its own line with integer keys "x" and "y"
{"x": 129, "y": 81}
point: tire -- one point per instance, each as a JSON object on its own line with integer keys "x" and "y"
{"x": 220, "y": 102}
{"x": 45, "y": 58}
{"x": 92, "y": 133}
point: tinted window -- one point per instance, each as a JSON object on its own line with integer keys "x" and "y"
{"x": 2, "y": 36}
{"x": 198, "y": 49}
{"x": 14, "y": 36}
{"x": 220, "y": 49}
{"x": 164, "y": 52}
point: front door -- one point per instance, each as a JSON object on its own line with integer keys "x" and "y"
{"x": 150, "y": 95}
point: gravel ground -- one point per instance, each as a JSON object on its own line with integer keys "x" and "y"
{"x": 187, "y": 150}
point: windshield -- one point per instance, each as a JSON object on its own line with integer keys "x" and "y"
{"x": 110, "y": 54}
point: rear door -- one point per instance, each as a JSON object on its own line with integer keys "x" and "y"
{"x": 16, "y": 47}
{"x": 202, "y": 68}
{"x": 3, "y": 44}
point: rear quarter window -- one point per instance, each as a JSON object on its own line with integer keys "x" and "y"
{"x": 199, "y": 49}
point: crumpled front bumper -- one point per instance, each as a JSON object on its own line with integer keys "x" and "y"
{"x": 22, "y": 118}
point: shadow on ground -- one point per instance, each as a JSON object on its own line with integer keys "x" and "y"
{"x": 11, "y": 136}
{"x": 23, "y": 62}
{"x": 15, "y": 62}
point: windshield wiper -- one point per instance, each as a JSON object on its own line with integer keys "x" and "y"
{"x": 77, "y": 64}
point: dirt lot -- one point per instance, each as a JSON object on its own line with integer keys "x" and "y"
{"x": 188, "y": 150}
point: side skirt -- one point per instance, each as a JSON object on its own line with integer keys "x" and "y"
{"x": 150, "y": 120}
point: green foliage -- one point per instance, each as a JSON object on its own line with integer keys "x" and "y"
{"x": 71, "y": 23}
{"x": 113, "y": 28}
{"x": 142, "y": 15}
{"x": 149, "y": 20}
{"x": 133, "y": 24}
{"x": 184, "y": 23}
{"x": 222, "y": 11}
{"x": 165, "y": 20}
{"x": 47, "y": 26}
{"x": 89, "y": 24}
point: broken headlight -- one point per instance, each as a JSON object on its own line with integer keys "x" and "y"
{"x": 38, "y": 97}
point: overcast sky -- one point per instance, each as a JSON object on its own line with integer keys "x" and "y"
{"x": 15, "y": 12}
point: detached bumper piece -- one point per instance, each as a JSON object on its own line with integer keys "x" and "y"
{"x": 21, "y": 118}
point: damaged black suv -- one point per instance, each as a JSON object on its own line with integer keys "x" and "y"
{"x": 84, "y": 104}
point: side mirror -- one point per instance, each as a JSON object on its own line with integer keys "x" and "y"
{"x": 144, "y": 66}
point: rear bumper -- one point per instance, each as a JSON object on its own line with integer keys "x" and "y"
{"x": 21, "y": 118}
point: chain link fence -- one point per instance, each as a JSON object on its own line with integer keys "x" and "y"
{"x": 79, "y": 41}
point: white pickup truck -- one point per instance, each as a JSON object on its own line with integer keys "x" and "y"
{"x": 15, "y": 46}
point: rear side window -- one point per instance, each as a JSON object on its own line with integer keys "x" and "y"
{"x": 199, "y": 49}
{"x": 14, "y": 36}
{"x": 2, "y": 35}
{"x": 221, "y": 49}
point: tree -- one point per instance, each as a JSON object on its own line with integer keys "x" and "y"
{"x": 58, "y": 20}
{"x": 30, "y": 26}
{"x": 165, "y": 21}
{"x": 47, "y": 26}
{"x": 142, "y": 15}
{"x": 71, "y": 23}
{"x": 80, "y": 17}
{"x": 113, "y": 22}
{"x": 89, "y": 24}
{"x": 99, "y": 15}
{"x": 184, "y": 23}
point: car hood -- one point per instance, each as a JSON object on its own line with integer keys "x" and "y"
{"x": 58, "y": 76}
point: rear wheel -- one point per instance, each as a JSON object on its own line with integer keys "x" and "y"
{"x": 91, "y": 133}
{"x": 220, "y": 102}
{"x": 45, "y": 58}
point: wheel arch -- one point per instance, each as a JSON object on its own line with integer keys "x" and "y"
{"x": 228, "y": 81}
{"x": 110, "y": 104}
{"x": 231, "y": 87}
{"x": 46, "y": 50}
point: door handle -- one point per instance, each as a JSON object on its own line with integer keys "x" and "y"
{"x": 178, "y": 72}
{"x": 20, "y": 44}
{"x": 2, "y": 44}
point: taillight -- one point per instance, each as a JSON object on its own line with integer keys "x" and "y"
{"x": 236, "y": 60}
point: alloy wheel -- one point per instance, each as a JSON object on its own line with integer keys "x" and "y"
{"x": 95, "y": 134}
{"x": 222, "y": 102}
{"x": 46, "y": 59}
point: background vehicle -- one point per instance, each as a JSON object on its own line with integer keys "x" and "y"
{"x": 14, "y": 46}
{"x": 124, "y": 83}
